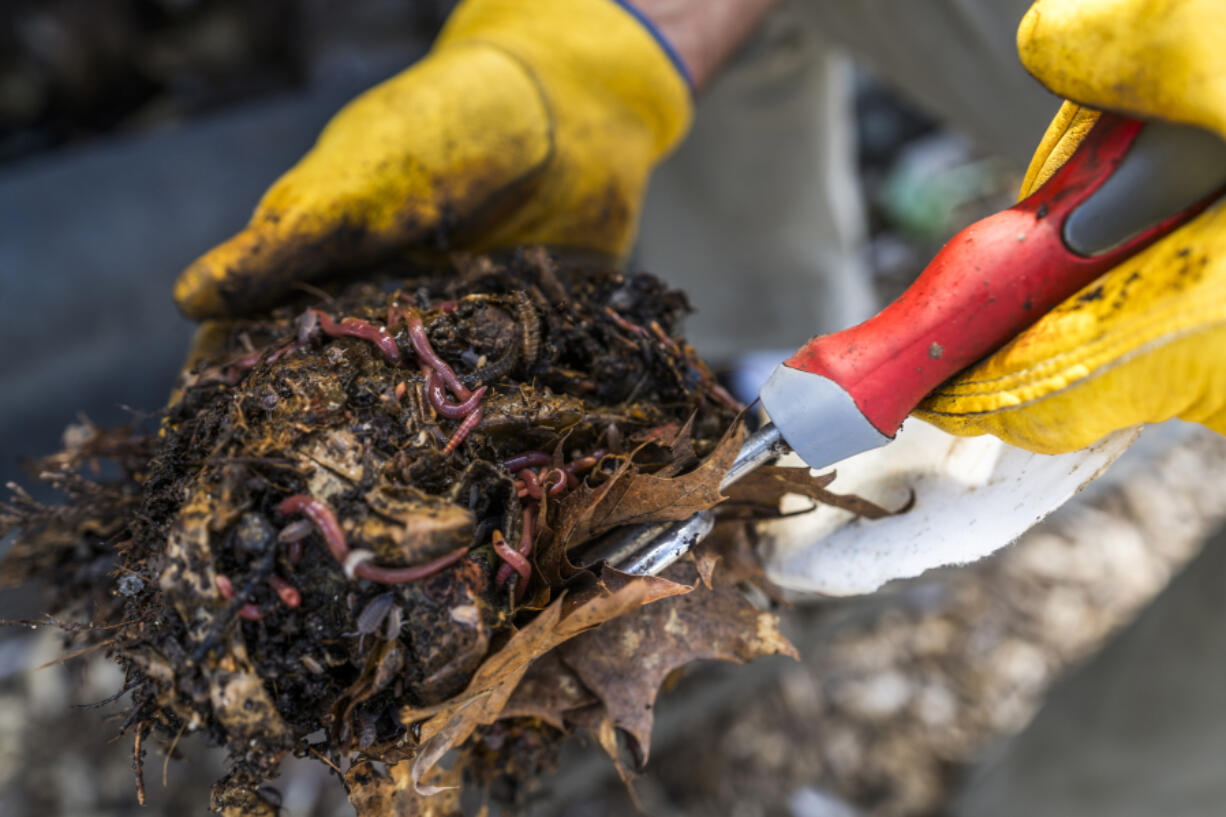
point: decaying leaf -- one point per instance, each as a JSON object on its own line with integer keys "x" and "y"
{"x": 374, "y": 793}
{"x": 597, "y": 722}
{"x": 638, "y": 498}
{"x": 624, "y": 661}
{"x": 678, "y": 439}
{"x": 767, "y": 484}
{"x": 630, "y": 497}
{"x": 549, "y": 691}
{"x": 450, "y": 724}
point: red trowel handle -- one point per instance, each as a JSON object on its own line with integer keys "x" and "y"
{"x": 991, "y": 281}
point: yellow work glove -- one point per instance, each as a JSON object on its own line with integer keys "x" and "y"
{"x": 1153, "y": 345}
{"x": 527, "y": 123}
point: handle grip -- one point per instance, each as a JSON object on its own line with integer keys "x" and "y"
{"x": 990, "y": 282}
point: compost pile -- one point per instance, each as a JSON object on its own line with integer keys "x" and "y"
{"x": 351, "y": 535}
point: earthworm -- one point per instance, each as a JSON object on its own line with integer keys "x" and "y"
{"x": 520, "y": 463}
{"x": 251, "y": 358}
{"x": 532, "y": 485}
{"x": 249, "y": 611}
{"x": 468, "y": 424}
{"x": 633, "y": 328}
{"x": 559, "y": 486}
{"x": 427, "y": 355}
{"x": 292, "y": 346}
{"x": 437, "y": 393}
{"x": 285, "y": 591}
{"x": 436, "y": 390}
{"x": 513, "y": 561}
{"x": 403, "y": 575}
{"x": 248, "y": 360}
{"x": 358, "y": 328}
{"x": 527, "y": 534}
{"x": 531, "y": 324}
{"x": 322, "y": 517}
{"x": 582, "y": 464}
{"x": 528, "y": 459}
{"x": 325, "y": 522}
{"x": 664, "y": 338}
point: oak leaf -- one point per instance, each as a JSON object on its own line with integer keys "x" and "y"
{"x": 624, "y": 661}
{"x": 449, "y": 724}
{"x": 768, "y": 484}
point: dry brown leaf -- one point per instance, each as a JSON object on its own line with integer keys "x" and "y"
{"x": 628, "y": 497}
{"x": 549, "y": 690}
{"x": 382, "y": 662}
{"x": 572, "y": 527}
{"x": 376, "y": 794}
{"x": 595, "y": 719}
{"x": 625, "y": 660}
{"x": 451, "y": 723}
{"x": 641, "y": 498}
{"x": 769, "y": 483}
{"x": 735, "y": 547}
{"x": 679, "y": 441}
{"x": 705, "y": 561}
{"x": 631, "y": 498}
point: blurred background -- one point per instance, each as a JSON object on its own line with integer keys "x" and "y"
{"x": 839, "y": 149}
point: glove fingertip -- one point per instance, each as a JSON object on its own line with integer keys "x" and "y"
{"x": 208, "y": 287}
{"x": 196, "y": 292}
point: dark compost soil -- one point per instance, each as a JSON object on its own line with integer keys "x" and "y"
{"x": 353, "y": 500}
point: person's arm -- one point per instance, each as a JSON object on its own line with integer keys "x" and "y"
{"x": 704, "y": 32}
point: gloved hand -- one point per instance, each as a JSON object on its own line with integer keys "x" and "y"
{"x": 527, "y": 123}
{"x": 1153, "y": 345}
